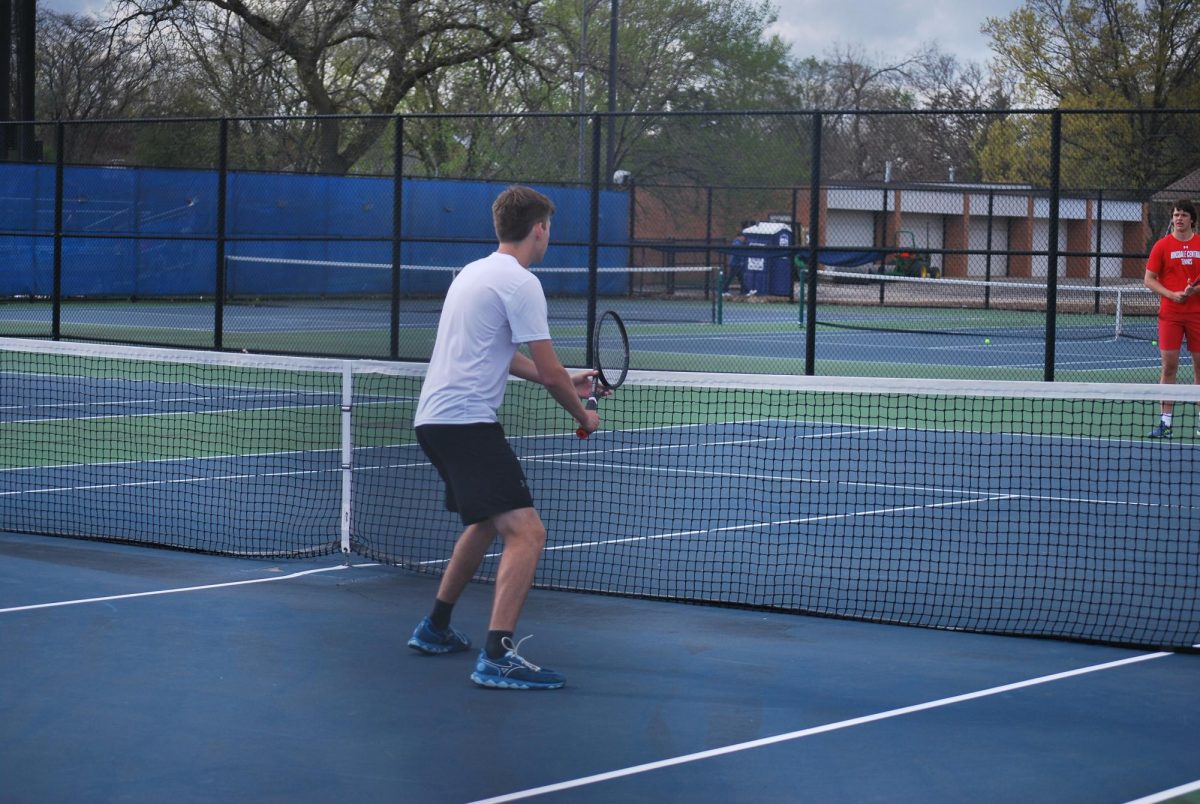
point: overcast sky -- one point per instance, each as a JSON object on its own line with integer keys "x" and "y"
{"x": 898, "y": 27}
{"x": 814, "y": 27}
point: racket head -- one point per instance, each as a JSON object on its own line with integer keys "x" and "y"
{"x": 610, "y": 350}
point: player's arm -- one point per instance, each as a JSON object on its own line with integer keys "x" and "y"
{"x": 545, "y": 368}
{"x": 526, "y": 369}
{"x": 1151, "y": 281}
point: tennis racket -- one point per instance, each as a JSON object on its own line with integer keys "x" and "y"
{"x": 610, "y": 353}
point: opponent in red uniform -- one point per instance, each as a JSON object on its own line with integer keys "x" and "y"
{"x": 1173, "y": 272}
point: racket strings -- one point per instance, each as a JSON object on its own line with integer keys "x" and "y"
{"x": 611, "y": 350}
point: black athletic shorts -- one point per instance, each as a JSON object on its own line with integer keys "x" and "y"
{"x": 482, "y": 474}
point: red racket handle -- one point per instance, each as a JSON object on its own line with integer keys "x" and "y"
{"x": 590, "y": 405}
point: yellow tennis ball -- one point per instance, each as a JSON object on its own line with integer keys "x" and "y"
{"x": 987, "y": 340}
{"x": 1154, "y": 343}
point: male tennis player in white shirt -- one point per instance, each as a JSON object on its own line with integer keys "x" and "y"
{"x": 494, "y": 305}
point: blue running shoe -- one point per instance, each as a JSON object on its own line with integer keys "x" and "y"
{"x": 435, "y": 642}
{"x": 1161, "y": 431}
{"x": 513, "y": 672}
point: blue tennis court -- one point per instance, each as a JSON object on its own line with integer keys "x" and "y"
{"x": 946, "y": 510}
{"x": 1103, "y": 359}
{"x": 154, "y": 675}
{"x": 201, "y": 672}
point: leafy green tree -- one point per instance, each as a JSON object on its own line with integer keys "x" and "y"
{"x": 672, "y": 55}
{"x": 1102, "y": 54}
{"x": 699, "y": 56}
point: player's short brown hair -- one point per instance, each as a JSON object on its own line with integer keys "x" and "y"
{"x": 1187, "y": 206}
{"x": 516, "y": 210}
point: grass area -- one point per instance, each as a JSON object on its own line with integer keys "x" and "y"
{"x": 528, "y": 410}
{"x": 665, "y": 345}
{"x": 300, "y": 410}
{"x": 167, "y": 436}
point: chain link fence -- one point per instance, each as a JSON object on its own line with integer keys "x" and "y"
{"x": 820, "y": 242}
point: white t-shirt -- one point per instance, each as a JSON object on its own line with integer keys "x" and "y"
{"x": 493, "y": 305}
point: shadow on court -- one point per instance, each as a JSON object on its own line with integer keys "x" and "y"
{"x": 136, "y": 674}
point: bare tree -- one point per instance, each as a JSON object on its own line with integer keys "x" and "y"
{"x": 868, "y": 127}
{"x": 332, "y": 57}
{"x": 85, "y": 71}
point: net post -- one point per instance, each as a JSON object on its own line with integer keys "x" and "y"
{"x": 347, "y": 453}
{"x": 720, "y": 296}
{"x": 1119, "y": 303}
{"x": 803, "y": 291}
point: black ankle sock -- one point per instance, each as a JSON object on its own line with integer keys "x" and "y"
{"x": 495, "y": 643}
{"x": 440, "y": 616}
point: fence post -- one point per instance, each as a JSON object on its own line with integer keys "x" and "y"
{"x": 1099, "y": 242}
{"x": 987, "y": 266}
{"x": 610, "y": 162}
{"x": 56, "y": 290}
{"x": 791, "y": 254}
{"x": 814, "y": 230}
{"x": 593, "y": 239}
{"x": 397, "y": 229}
{"x": 222, "y": 186}
{"x": 887, "y": 178}
{"x": 708, "y": 236}
{"x": 1052, "y": 252}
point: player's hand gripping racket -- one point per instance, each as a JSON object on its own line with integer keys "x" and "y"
{"x": 610, "y": 353}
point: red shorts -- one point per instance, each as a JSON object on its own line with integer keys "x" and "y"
{"x": 1171, "y": 332}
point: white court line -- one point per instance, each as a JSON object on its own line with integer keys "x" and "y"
{"x": 973, "y": 494}
{"x": 559, "y": 458}
{"x": 1165, "y": 795}
{"x": 748, "y": 526}
{"x": 782, "y": 522}
{"x": 132, "y": 484}
{"x": 810, "y": 732}
{"x": 181, "y": 590}
{"x": 165, "y": 413}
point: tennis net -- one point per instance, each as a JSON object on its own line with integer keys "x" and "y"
{"x": 995, "y": 308}
{"x": 653, "y": 293}
{"x": 1029, "y": 509}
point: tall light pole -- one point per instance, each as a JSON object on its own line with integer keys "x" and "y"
{"x": 581, "y": 75}
{"x": 6, "y": 20}
{"x": 612, "y": 89}
{"x": 25, "y": 27}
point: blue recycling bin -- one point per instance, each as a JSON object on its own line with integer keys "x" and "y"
{"x": 771, "y": 273}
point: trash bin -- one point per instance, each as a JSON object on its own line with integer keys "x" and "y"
{"x": 771, "y": 273}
